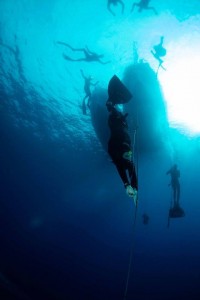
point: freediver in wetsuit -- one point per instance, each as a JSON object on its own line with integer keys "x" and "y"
{"x": 90, "y": 56}
{"x": 175, "y": 211}
{"x": 158, "y": 52}
{"x": 119, "y": 149}
{"x": 87, "y": 85}
{"x": 175, "y": 184}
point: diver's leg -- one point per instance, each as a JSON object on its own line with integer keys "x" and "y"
{"x": 104, "y": 63}
{"x": 67, "y": 45}
{"x": 154, "y": 54}
{"x": 133, "y": 6}
{"x": 132, "y": 175}
{"x": 122, "y": 172}
{"x": 72, "y": 59}
{"x": 87, "y": 50}
{"x": 108, "y": 7}
{"x": 78, "y": 49}
{"x": 122, "y": 4}
{"x": 89, "y": 101}
{"x": 134, "y": 183}
{"x": 161, "y": 66}
{"x": 84, "y": 105}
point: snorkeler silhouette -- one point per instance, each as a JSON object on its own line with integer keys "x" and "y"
{"x": 89, "y": 55}
{"x": 145, "y": 219}
{"x": 142, "y": 5}
{"x": 175, "y": 211}
{"x": 159, "y": 51}
{"x": 114, "y": 3}
{"x": 87, "y": 85}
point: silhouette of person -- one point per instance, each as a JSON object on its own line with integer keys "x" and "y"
{"x": 175, "y": 174}
{"x": 175, "y": 211}
{"x": 159, "y": 51}
{"x": 89, "y": 55}
{"x": 145, "y": 219}
{"x": 119, "y": 149}
{"x": 143, "y": 4}
{"x": 87, "y": 85}
{"x": 114, "y": 3}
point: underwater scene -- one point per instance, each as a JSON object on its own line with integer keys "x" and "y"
{"x": 99, "y": 150}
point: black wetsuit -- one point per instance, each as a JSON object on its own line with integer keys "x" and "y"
{"x": 118, "y": 144}
{"x": 175, "y": 174}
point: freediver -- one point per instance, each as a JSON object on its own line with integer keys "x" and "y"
{"x": 175, "y": 211}
{"x": 159, "y": 51}
{"x": 87, "y": 85}
{"x": 142, "y": 5}
{"x": 89, "y": 55}
{"x": 145, "y": 219}
{"x": 114, "y": 3}
{"x": 119, "y": 144}
{"x": 175, "y": 184}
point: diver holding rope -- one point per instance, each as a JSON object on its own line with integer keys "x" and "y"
{"x": 119, "y": 144}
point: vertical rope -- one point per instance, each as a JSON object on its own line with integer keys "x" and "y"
{"x": 131, "y": 256}
{"x": 135, "y": 146}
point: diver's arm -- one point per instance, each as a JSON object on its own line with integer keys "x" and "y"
{"x": 82, "y": 74}
{"x": 122, "y": 4}
{"x": 122, "y": 173}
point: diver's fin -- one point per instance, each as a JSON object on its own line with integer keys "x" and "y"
{"x": 117, "y": 92}
{"x": 176, "y": 212}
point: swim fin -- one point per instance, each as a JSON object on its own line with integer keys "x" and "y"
{"x": 117, "y": 92}
{"x": 176, "y": 212}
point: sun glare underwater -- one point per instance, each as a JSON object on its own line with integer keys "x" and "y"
{"x": 182, "y": 93}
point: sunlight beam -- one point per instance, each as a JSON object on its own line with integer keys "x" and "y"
{"x": 181, "y": 87}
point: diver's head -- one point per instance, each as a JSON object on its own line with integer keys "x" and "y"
{"x": 90, "y": 78}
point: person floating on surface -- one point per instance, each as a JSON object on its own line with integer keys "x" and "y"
{"x": 142, "y": 5}
{"x": 158, "y": 52}
{"x": 114, "y": 3}
{"x": 119, "y": 144}
{"x": 87, "y": 85}
{"x": 89, "y": 55}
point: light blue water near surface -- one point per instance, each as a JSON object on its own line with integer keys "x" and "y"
{"x": 66, "y": 222}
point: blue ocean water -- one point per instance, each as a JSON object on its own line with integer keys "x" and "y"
{"x": 66, "y": 224}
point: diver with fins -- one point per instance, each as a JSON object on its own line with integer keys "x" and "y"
{"x": 119, "y": 144}
{"x": 158, "y": 52}
{"x": 175, "y": 210}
